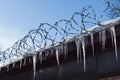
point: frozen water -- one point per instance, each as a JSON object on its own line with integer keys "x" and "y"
{"x": 8, "y": 67}
{"x": 29, "y": 59}
{"x": 13, "y": 65}
{"x": 78, "y": 44}
{"x": 40, "y": 56}
{"x": 83, "y": 49}
{"x": 102, "y": 38}
{"x": 57, "y": 54}
{"x": 34, "y": 65}
{"x": 65, "y": 49}
{"x": 24, "y": 62}
{"x": 113, "y": 36}
{"x": 92, "y": 42}
{"x": 20, "y": 64}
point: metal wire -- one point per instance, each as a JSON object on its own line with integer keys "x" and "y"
{"x": 47, "y": 34}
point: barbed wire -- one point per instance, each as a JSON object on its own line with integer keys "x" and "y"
{"x": 47, "y": 34}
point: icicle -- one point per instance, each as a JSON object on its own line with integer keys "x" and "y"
{"x": 78, "y": 44}
{"x": 40, "y": 56}
{"x": 29, "y": 59}
{"x": 65, "y": 49}
{"x": 113, "y": 36}
{"x": 0, "y": 68}
{"x": 34, "y": 65}
{"x": 7, "y": 67}
{"x": 57, "y": 54}
{"x": 24, "y": 62}
{"x": 102, "y": 38}
{"x": 83, "y": 49}
{"x": 92, "y": 42}
{"x": 20, "y": 64}
{"x": 13, "y": 65}
{"x": 61, "y": 48}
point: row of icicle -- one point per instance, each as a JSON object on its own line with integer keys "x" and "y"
{"x": 80, "y": 43}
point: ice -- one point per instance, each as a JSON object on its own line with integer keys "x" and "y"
{"x": 13, "y": 65}
{"x": 92, "y": 42}
{"x": 65, "y": 49}
{"x": 62, "y": 48}
{"x": 113, "y": 36}
{"x": 29, "y": 59}
{"x": 34, "y": 65}
{"x": 24, "y": 62}
{"x": 20, "y": 64}
{"x": 7, "y": 67}
{"x": 102, "y": 38}
{"x": 40, "y": 56}
{"x": 57, "y": 54}
{"x": 83, "y": 49}
{"x": 78, "y": 44}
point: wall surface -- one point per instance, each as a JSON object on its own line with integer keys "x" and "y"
{"x": 102, "y": 64}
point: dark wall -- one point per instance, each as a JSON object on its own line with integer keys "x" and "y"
{"x": 102, "y": 64}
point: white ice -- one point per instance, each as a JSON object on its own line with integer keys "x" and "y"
{"x": 113, "y": 36}
{"x": 34, "y": 65}
{"x": 57, "y": 54}
{"x": 83, "y": 49}
{"x": 20, "y": 64}
{"x": 13, "y": 65}
{"x": 92, "y": 42}
{"x": 24, "y": 62}
{"x": 65, "y": 49}
{"x": 78, "y": 44}
{"x": 102, "y": 38}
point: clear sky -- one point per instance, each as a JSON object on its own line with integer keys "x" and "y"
{"x": 17, "y": 17}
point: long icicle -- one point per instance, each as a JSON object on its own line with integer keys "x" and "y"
{"x": 103, "y": 39}
{"x": 65, "y": 49}
{"x": 40, "y": 57}
{"x": 57, "y": 54}
{"x": 92, "y": 42}
{"x": 113, "y": 36}
{"x": 34, "y": 65}
{"x": 20, "y": 64}
{"x": 7, "y": 67}
{"x": 78, "y": 44}
{"x": 24, "y": 62}
{"x": 13, "y": 65}
{"x": 83, "y": 48}
{"x": 100, "y": 37}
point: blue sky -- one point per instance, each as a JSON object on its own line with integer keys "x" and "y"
{"x": 17, "y": 17}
